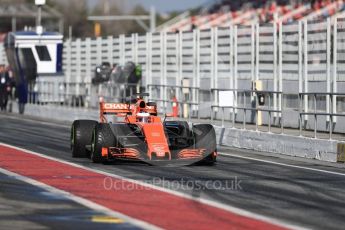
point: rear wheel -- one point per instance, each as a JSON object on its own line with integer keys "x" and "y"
{"x": 102, "y": 137}
{"x": 81, "y": 133}
{"x": 205, "y": 138}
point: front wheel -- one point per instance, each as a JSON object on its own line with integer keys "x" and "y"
{"x": 205, "y": 138}
{"x": 102, "y": 137}
{"x": 81, "y": 132}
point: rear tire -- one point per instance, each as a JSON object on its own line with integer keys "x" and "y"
{"x": 205, "y": 138}
{"x": 102, "y": 137}
{"x": 81, "y": 132}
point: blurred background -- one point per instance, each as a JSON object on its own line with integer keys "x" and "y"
{"x": 61, "y": 14}
{"x": 181, "y": 50}
{"x": 71, "y": 16}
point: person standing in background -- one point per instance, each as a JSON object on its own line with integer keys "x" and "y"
{"x": 5, "y": 87}
{"x": 11, "y": 92}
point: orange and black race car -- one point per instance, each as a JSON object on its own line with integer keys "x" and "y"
{"x": 142, "y": 135}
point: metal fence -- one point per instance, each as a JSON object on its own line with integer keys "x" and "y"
{"x": 246, "y": 113}
{"x": 316, "y": 113}
{"x": 291, "y": 59}
{"x": 249, "y": 104}
{"x": 89, "y": 95}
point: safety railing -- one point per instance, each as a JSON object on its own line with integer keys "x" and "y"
{"x": 60, "y": 93}
{"x": 117, "y": 92}
{"x": 241, "y": 111}
{"x": 79, "y": 94}
{"x": 255, "y": 94}
{"x": 331, "y": 99}
{"x": 182, "y": 95}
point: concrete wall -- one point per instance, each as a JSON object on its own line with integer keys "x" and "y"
{"x": 324, "y": 150}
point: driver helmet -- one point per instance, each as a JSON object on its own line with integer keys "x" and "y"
{"x": 143, "y": 117}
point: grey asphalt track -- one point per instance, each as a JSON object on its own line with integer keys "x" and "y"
{"x": 297, "y": 191}
{"x": 25, "y": 206}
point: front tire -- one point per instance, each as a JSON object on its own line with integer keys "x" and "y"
{"x": 205, "y": 138}
{"x": 102, "y": 137}
{"x": 81, "y": 133}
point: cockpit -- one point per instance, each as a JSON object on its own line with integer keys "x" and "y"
{"x": 143, "y": 117}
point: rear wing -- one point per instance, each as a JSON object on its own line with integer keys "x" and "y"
{"x": 123, "y": 109}
{"x": 118, "y": 109}
{"x": 115, "y": 108}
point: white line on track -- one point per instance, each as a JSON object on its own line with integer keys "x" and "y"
{"x": 283, "y": 164}
{"x": 79, "y": 200}
{"x": 228, "y": 208}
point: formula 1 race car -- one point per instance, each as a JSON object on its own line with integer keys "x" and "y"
{"x": 142, "y": 135}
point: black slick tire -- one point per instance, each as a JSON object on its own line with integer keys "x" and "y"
{"x": 81, "y": 133}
